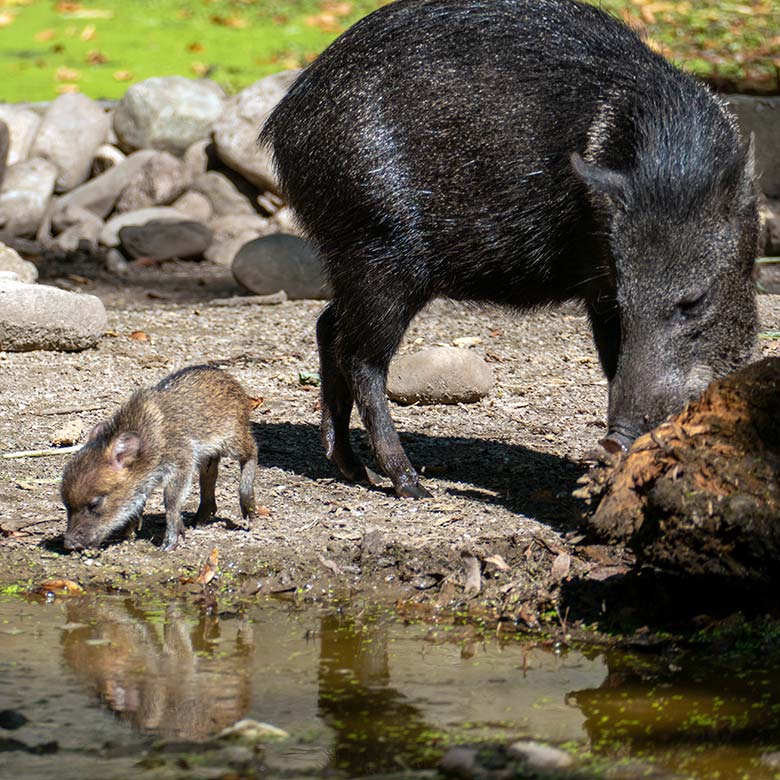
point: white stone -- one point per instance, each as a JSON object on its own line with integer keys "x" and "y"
{"x": 11, "y": 263}
{"x": 72, "y": 130}
{"x": 439, "y": 375}
{"x": 36, "y": 316}
{"x": 236, "y": 131}
{"x": 23, "y": 124}
{"x": 25, "y": 195}
{"x": 168, "y": 113}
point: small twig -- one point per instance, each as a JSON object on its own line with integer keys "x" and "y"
{"x": 69, "y": 409}
{"x": 251, "y": 300}
{"x": 42, "y": 453}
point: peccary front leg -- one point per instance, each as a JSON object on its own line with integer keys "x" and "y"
{"x": 174, "y": 495}
{"x": 336, "y": 402}
{"x": 209, "y": 470}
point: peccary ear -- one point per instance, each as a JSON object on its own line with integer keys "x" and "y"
{"x": 602, "y": 180}
{"x": 124, "y": 449}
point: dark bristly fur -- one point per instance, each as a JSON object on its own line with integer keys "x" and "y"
{"x": 519, "y": 152}
{"x": 162, "y": 435}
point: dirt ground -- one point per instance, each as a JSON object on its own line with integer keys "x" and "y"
{"x": 501, "y": 520}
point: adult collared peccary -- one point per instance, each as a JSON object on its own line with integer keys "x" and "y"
{"x": 162, "y": 435}
{"x": 519, "y": 152}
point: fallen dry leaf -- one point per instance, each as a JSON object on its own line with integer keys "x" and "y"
{"x": 6, "y": 19}
{"x": 262, "y": 511}
{"x": 209, "y": 569}
{"x": 60, "y": 587}
{"x": 123, "y": 75}
{"x": 498, "y": 562}
{"x": 255, "y": 403}
{"x": 88, "y": 33}
{"x": 561, "y": 566}
{"x": 96, "y": 57}
{"x": 44, "y": 36}
{"x": 67, "y": 74}
{"x": 138, "y": 335}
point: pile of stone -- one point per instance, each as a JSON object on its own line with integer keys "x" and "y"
{"x": 171, "y": 170}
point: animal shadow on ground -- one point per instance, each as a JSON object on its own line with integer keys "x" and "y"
{"x": 152, "y": 530}
{"x": 531, "y": 483}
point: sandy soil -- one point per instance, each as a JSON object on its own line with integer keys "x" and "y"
{"x": 501, "y": 471}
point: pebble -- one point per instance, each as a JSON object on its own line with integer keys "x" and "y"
{"x": 439, "y": 375}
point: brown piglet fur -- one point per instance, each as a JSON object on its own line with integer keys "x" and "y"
{"x": 163, "y": 435}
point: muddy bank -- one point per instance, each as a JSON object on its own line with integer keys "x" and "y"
{"x": 501, "y": 528}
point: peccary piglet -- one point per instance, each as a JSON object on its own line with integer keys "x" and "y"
{"x": 520, "y": 152}
{"x": 161, "y": 436}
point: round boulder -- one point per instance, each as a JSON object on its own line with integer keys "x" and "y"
{"x": 280, "y": 262}
{"x": 439, "y": 375}
{"x": 168, "y": 113}
{"x": 36, "y": 316}
{"x": 164, "y": 240}
{"x": 235, "y": 134}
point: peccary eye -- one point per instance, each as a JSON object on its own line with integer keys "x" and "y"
{"x": 93, "y": 505}
{"x": 691, "y": 305}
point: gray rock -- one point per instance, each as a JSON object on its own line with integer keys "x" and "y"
{"x": 25, "y": 195}
{"x": 235, "y": 133}
{"x": 168, "y": 113}
{"x": 164, "y": 240}
{"x": 36, "y": 316}
{"x": 106, "y": 156}
{"x": 224, "y": 196}
{"x": 23, "y": 125}
{"x": 196, "y": 158}
{"x": 78, "y": 225}
{"x": 280, "y": 262}
{"x": 195, "y": 205}
{"x": 109, "y": 236}
{"x": 10, "y": 262}
{"x": 439, "y": 375}
{"x": 5, "y": 144}
{"x": 72, "y": 130}
{"x": 100, "y": 194}
{"x": 160, "y": 181}
{"x": 761, "y": 116}
{"x": 770, "y": 216}
{"x": 10, "y": 276}
{"x": 540, "y": 757}
{"x": 232, "y": 232}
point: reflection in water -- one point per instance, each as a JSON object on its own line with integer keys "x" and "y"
{"x": 710, "y": 717}
{"x": 160, "y": 671}
{"x": 375, "y": 727}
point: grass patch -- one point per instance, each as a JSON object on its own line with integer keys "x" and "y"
{"x": 99, "y": 47}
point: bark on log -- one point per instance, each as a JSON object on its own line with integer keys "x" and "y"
{"x": 701, "y": 493}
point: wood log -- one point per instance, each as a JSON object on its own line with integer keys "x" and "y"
{"x": 700, "y": 494}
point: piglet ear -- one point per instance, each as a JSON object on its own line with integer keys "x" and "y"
{"x": 125, "y": 449}
{"x": 748, "y": 188}
{"x": 98, "y": 431}
{"x": 601, "y": 180}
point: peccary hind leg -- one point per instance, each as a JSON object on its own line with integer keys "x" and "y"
{"x": 367, "y": 338}
{"x": 208, "y": 479}
{"x": 247, "y": 458}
